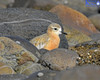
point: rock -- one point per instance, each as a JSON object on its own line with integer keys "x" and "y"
{"x": 27, "y": 23}
{"x": 95, "y": 19}
{"x": 80, "y": 5}
{"x": 5, "y": 3}
{"x": 26, "y": 44}
{"x": 86, "y": 72}
{"x": 26, "y": 3}
{"x": 13, "y": 54}
{"x": 43, "y": 51}
{"x": 35, "y": 4}
{"x": 74, "y": 19}
{"x": 47, "y": 75}
{"x": 75, "y": 24}
{"x": 95, "y": 36}
{"x": 5, "y": 69}
{"x": 28, "y": 68}
{"x": 13, "y": 77}
{"x": 89, "y": 52}
{"x": 59, "y": 59}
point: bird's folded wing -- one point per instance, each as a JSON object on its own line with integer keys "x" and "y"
{"x": 40, "y": 41}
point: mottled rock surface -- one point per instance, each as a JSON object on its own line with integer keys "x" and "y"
{"x": 95, "y": 19}
{"x": 26, "y": 44}
{"x": 86, "y": 72}
{"x": 27, "y": 23}
{"x": 5, "y": 69}
{"x": 13, "y": 54}
{"x": 59, "y": 59}
{"x": 29, "y": 68}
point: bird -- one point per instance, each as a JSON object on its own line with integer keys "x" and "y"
{"x": 50, "y": 40}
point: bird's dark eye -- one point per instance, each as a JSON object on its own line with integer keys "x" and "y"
{"x": 55, "y": 28}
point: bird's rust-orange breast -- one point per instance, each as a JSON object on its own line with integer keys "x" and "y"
{"x": 53, "y": 43}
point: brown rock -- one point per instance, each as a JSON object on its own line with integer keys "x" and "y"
{"x": 75, "y": 24}
{"x": 74, "y": 19}
{"x": 59, "y": 59}
{"x": 5, "y": 69}
{"x": 95, "y": 19}
{"x": 13, "y": 54}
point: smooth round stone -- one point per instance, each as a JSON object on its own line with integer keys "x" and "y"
{"x": 59, "y": 59}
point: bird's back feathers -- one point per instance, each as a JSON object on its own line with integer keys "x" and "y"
{"x": 40, "y": 41}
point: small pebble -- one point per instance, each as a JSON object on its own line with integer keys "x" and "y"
{"x": 18, "y": 42}
{"x": 40, "y": 74}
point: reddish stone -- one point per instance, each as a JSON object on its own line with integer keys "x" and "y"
{"x": 74, "y": 19}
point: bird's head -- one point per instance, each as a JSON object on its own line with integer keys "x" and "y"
{"x": 55, "y": 29}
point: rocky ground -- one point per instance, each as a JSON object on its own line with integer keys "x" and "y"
{"x": 78, "y": 55}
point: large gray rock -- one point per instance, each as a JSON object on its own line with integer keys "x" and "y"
{"x": 13, "y": 77}
{"x": 43, "y": 75}
{"x": 86, "y": 72}
{"x": 27, "y": 23}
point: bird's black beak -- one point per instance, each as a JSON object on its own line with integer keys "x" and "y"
{"x": 64, "y": 33}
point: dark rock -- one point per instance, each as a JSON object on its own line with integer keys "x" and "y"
{"x": 13, "y": 77}
{"x": 46, "y": 75}
{"x": 26, "y": 3}
{"x": 86, "y": 72}
{"x": 59, "y": 59}
{"x": 36, "y": 4}
{"x": 26, "y": 44}
{"x": 27, "y": 23}
{"x": 5, "y": 3}
{"x": 43, "y": 51}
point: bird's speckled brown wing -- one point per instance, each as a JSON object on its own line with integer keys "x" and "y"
{"x": 40, "y": 41}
